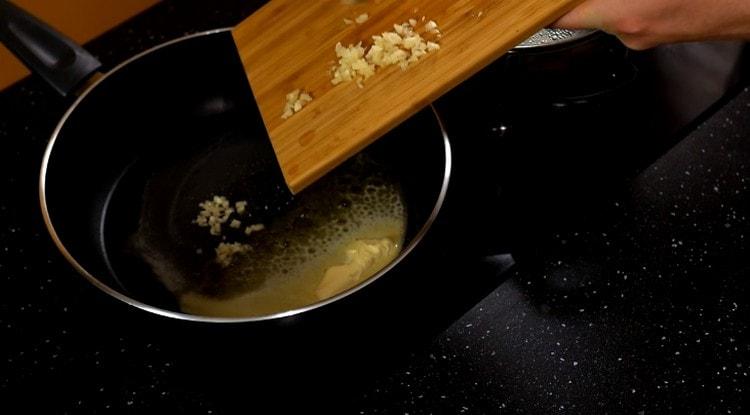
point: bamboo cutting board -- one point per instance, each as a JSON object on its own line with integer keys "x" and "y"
{"x": 290, "y": 44}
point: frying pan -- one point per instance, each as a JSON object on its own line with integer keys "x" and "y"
{"x": 144, "y": 143}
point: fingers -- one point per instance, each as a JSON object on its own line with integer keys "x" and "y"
{"x": 585, "y": 16}
{"x": 597, "y": 14}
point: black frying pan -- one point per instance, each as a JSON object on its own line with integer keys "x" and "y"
{"x": 143, "y": 144}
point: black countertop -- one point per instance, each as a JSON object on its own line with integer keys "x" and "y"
{"x": 646, "y": 314}
{"x": 640, "y": 308}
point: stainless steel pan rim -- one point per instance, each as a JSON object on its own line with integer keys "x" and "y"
{"x": 547, "y": 38}
{"x": 189, "y": 317}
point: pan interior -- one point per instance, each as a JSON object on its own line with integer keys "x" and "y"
{"x": 170, "y": 130}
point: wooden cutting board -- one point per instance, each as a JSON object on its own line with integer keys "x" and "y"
{"x": 290, "y": 44}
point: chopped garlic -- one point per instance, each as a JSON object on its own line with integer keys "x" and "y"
{"x": 213, "y": 214}
{"x": 402, "y": 47}
{"x": 398, "y": 48}
{"x": 254, "y": 228}
{"x": 225, "y": 252}
{"x": 432, "y": 27}
{"x": 241, "y": 206}
{"x": 392, "y": 38}
{"x": 352, "y": 64}
{"x": 216, "y": 212}
{"x": 295, "y": 100}
{"x": 362, "y": 18}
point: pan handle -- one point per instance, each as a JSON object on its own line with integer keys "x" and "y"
{"x": 45, "y": 51}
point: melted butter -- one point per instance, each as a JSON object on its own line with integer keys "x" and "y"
{"x": 341, "y": 233}
{"x": 364, "y": 258}
{"x": 352, "y": 262}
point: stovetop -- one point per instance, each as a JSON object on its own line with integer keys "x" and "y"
{"x": 622, "y": 242}
{"x": 591, "y": 258}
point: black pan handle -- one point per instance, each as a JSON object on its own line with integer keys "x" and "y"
{"x": 44, "y": 50}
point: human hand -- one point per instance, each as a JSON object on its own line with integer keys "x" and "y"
{"x": 642, "y": 24}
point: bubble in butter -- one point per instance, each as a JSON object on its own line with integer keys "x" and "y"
{"x": 340, "y": 233}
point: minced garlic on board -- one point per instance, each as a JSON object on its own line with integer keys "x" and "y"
{"x": 352, "y": 65}
{"x": 295, "y": 100}
{"x": 362, "y": 18}
{"x": 402, "y": 46}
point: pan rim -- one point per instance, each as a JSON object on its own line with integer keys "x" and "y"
{"x": 206, "y": 319}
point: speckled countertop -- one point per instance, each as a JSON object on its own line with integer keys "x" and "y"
{"x": 647, "y": 314}
{"x": 641, "y": 311}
